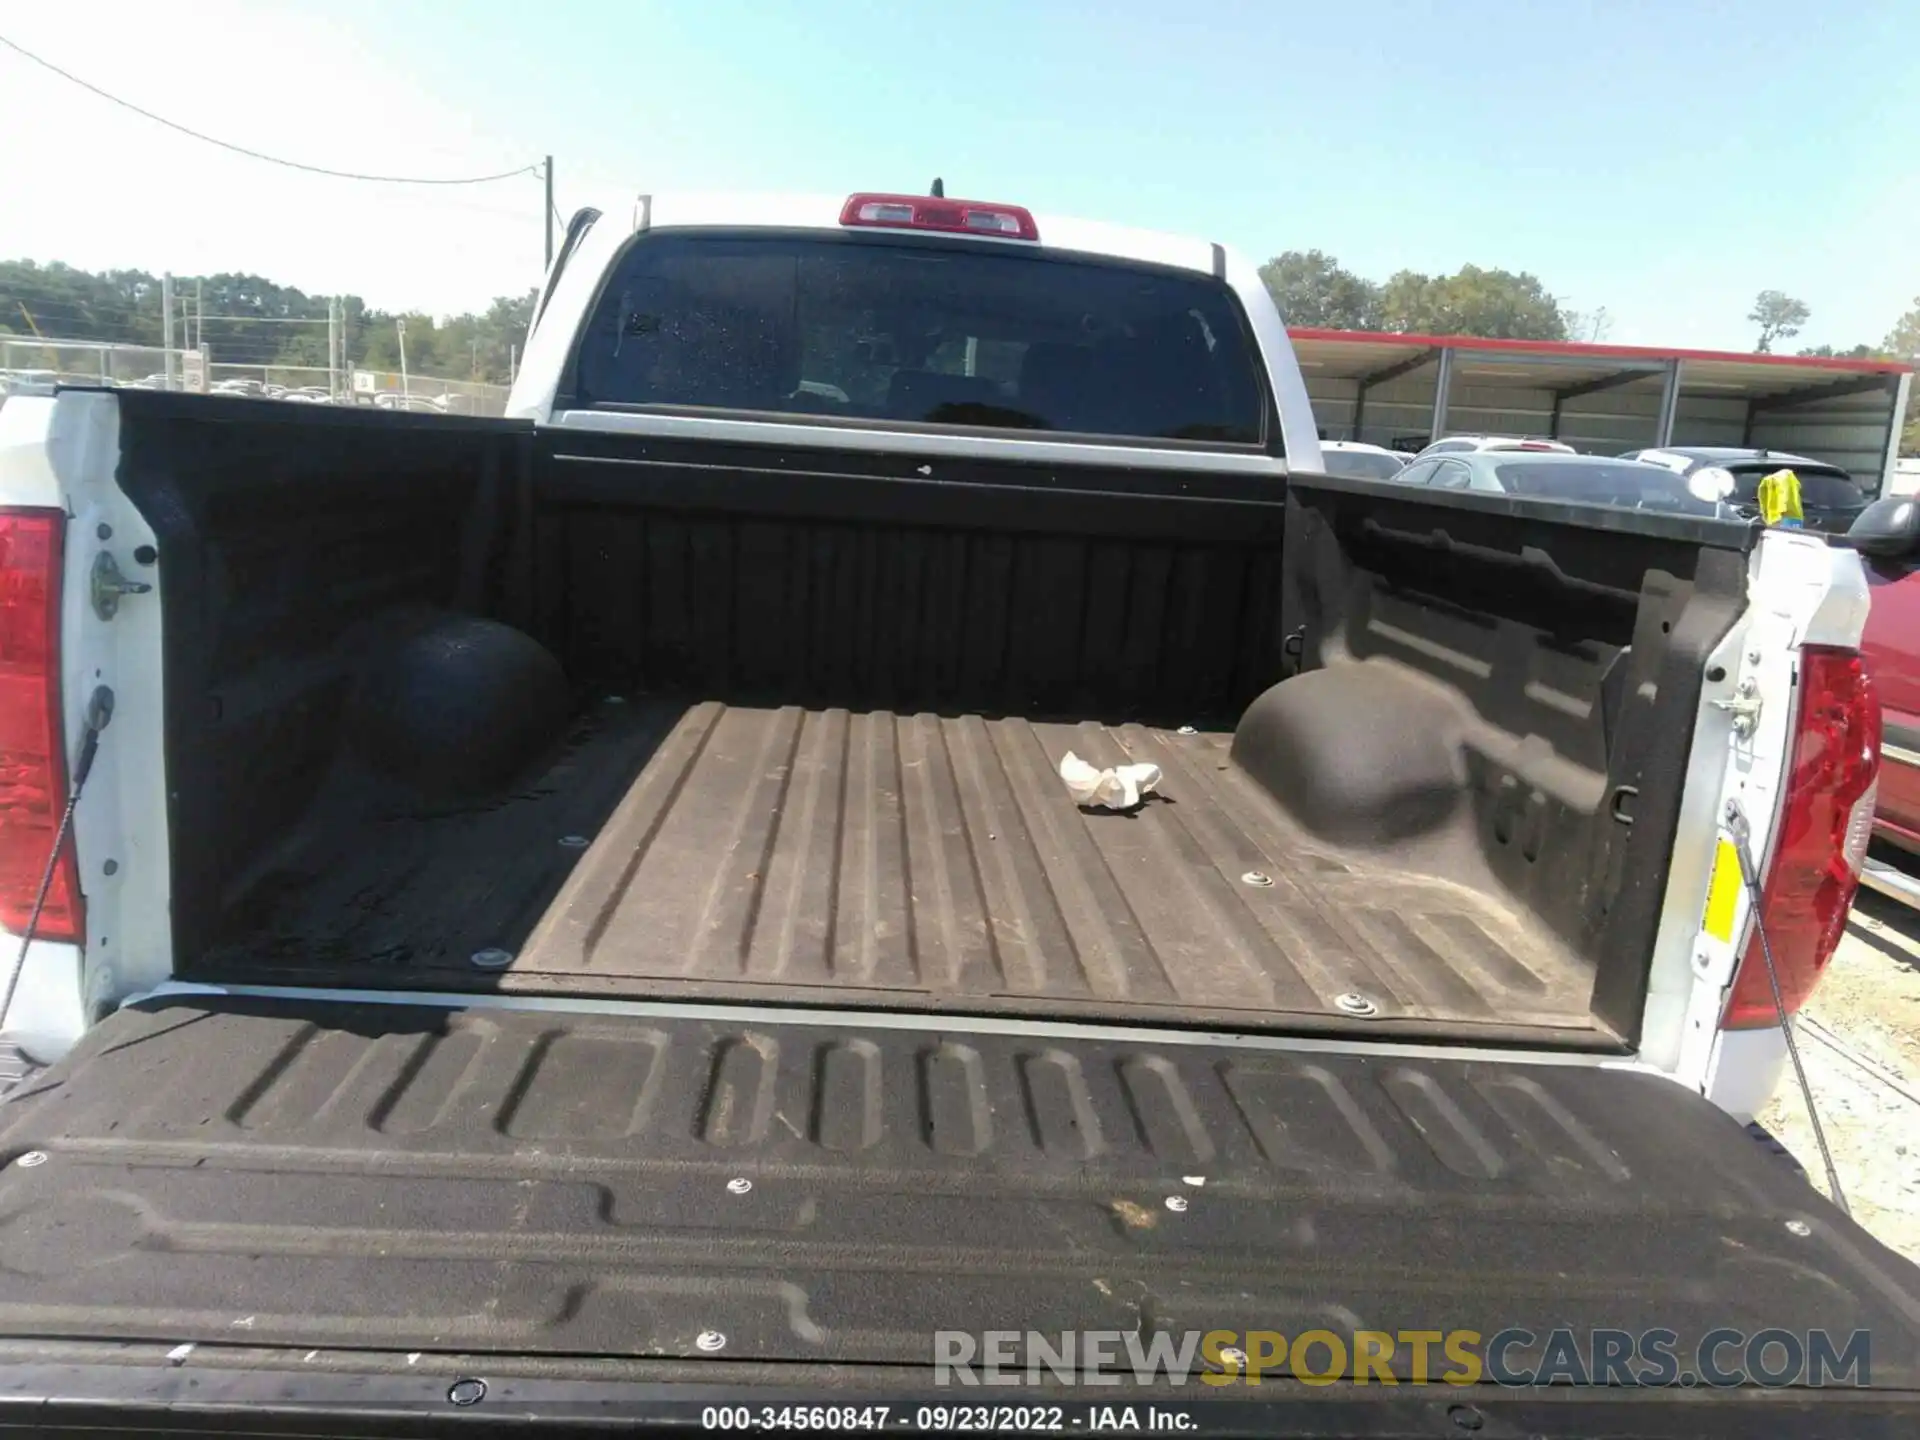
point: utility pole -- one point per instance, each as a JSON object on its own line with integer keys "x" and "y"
{"x": 400, "y": 328}
{"x": 166, "y": 324}
{"x": 200, "y": 314}
{"x": 549, "y": 169}
{"x": 333, "y": 348}
{"x": 513, "y": 363}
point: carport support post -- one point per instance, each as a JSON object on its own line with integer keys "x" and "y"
{"x": 1443, "y": 382}
{"x": 166, "y": 325}
{"x": 1669, "y": 403}
{"x": 1381, "y": 377}
{"x": 333, "y": 348}
{"x": 1902, "y": 388}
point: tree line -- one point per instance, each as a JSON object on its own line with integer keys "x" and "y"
{"x": 1314, "y": 290}
{"x": 246, "y": 321}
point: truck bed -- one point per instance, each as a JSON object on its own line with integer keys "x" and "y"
{"x": 1459, "y": 730}
{"x": 931, "y": 862}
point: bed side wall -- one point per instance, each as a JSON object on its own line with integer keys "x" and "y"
{"x": 1507, "y": 699}
{"x": 287, "y": 537}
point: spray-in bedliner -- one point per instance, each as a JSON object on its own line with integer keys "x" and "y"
{"x": 930, "y": 862}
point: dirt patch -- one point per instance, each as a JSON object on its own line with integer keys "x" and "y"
{"x": 1134, "y": 1215}
{"x": 1862, "y": 1053}
{"x": 1874, "y": 987}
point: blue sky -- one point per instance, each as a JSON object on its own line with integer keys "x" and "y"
{"x": 1665, "y": 160}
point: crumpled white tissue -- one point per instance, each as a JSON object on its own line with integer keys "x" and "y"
{"x": 1121, "y": 788}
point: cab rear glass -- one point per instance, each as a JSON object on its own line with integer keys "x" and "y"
{"x": 871, "y": 329}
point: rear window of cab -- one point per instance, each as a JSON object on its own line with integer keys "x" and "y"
{"x": 906, "y": 331}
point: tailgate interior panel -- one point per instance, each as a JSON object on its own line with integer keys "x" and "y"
{"x": 247, "y": 1171}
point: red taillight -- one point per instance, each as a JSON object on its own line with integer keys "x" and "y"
{"x": 931, "y": 212}
{"x": 33, "y": 767}
{"x": 1825, "y": 824}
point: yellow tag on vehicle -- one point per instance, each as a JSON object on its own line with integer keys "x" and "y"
{"x": 1723, "y": 891}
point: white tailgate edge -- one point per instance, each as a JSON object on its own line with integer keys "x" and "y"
{"x": 1800, "y": 591}
{"x": 64, "y": 452}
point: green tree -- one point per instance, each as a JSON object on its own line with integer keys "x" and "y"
{"x": 1903, "y": 343}
{"x": 459, "y": 347}
{"x": 1592, "y": 326}
{"x": 1312, "y": 289}
{"x": 1779, "y": 317}
{"x": 59, "y": 301}
{"x": 1827, "y": 352}
{"x": 1497, "y": 304}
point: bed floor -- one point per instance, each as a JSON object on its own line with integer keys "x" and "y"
{"x": 919, "y": 862}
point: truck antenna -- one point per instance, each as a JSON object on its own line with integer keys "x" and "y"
{"x": 939, "y": 191}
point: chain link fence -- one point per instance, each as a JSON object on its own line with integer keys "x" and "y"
{"x": 382, "y": 389}
{"x": 30, "y": 362}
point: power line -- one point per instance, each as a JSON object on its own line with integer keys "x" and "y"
{"x": 255, "y": 154}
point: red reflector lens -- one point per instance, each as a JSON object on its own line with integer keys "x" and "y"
{"x": 1824, "y": 825}
{"x": 33, "y": 770}
{"x": 927, "y": 212}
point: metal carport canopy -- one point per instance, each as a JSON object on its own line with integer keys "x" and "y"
{"x": 1402, "y": 390}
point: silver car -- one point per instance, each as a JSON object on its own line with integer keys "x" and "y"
{"x": 1553, "y": 475}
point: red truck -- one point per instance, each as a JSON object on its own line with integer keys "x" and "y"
{"x": 1887, "y": 535}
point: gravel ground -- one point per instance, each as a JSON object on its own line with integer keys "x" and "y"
{"x": 1862, "y": 1053}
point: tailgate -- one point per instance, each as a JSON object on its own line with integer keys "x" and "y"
{"x": 506, "y": 1192}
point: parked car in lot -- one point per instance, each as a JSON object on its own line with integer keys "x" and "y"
{"x": 27, "y": 382}
{"x": 1356, "y": 457}
{"x": 416, "y": 404}
{"x": 1460, "y": 444}
{"x": 1830, "y": 498}
{"x": 1887, "y": 535}
{"x": 1554, "y": 475}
